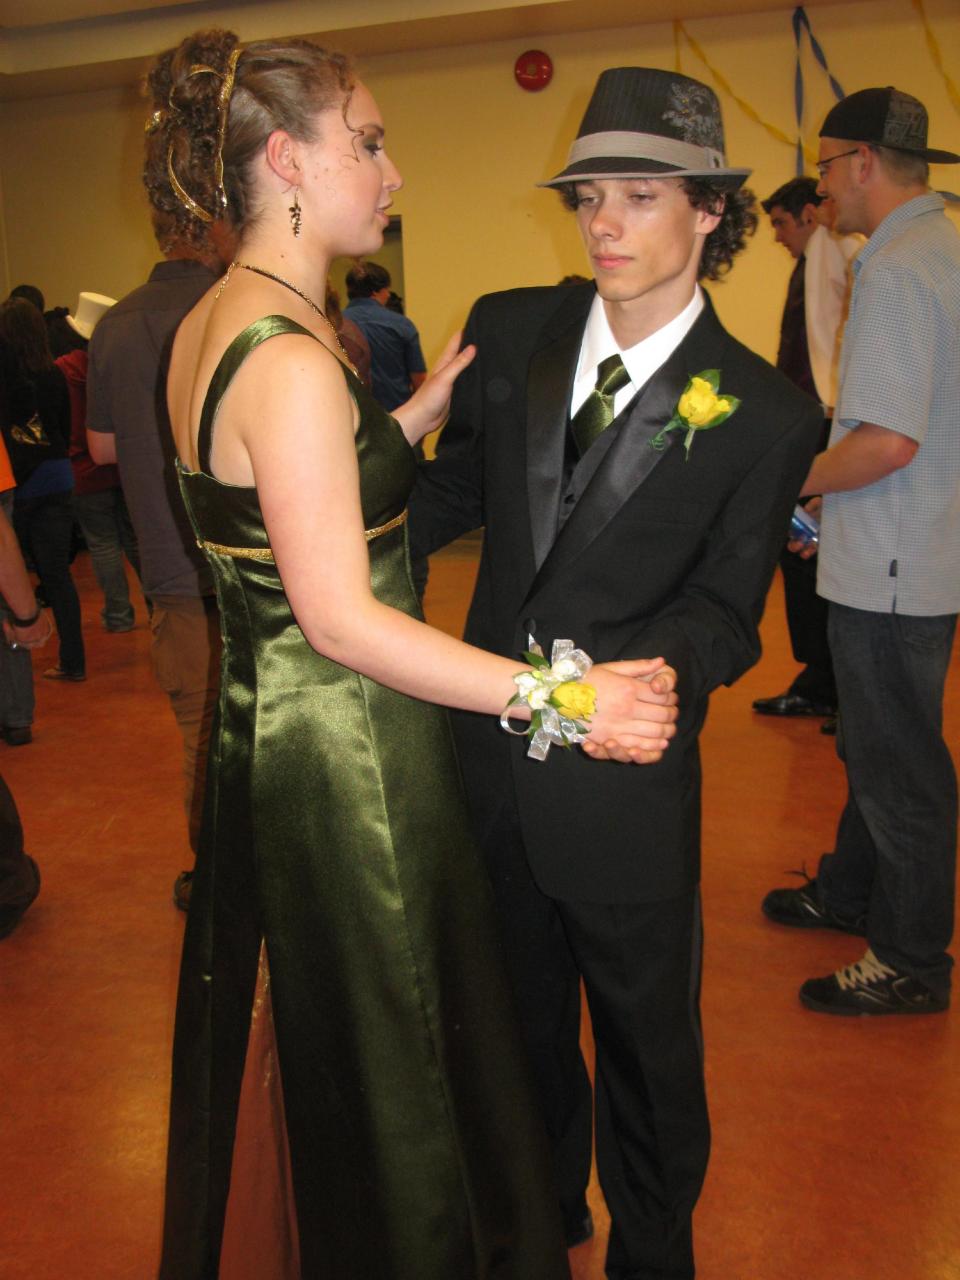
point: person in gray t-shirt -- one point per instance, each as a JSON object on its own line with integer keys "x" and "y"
{"x": 127, "y": 423}
{"x": 889, "y": 550}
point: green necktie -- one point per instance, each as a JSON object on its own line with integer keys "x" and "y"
{"x": 596, "y": 413}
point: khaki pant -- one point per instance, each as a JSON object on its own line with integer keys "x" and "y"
{"x": 186, "y": 661}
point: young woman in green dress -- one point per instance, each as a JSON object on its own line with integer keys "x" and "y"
{"x": 350, "y": 1098}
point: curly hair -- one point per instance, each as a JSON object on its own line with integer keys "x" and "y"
{"x": 279, "y": 84}
{"x": 738, "y": 220}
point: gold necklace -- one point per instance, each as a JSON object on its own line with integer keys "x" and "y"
{"x": 260, "y": 271}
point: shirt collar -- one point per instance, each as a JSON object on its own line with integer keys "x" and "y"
{"x": 644, "y": 358}
{"x": 173, "y": 268}
{"x": 896, "y": 221}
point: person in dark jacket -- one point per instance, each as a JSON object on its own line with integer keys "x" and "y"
{"x": 634, "y": 468}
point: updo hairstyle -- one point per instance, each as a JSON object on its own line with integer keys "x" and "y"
{"x": 277, "y": 84}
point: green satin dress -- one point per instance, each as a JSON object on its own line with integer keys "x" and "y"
{"x": 335, "y": 835}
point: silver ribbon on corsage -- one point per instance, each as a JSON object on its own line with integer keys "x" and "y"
{"x": 548, "y": 725}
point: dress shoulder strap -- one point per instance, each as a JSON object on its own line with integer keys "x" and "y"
{"x": 247, "y": 340}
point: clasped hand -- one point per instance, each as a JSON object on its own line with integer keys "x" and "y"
{"x": 636, "y": 711}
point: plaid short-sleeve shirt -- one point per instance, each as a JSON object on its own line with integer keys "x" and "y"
{"x": 894, "y": 546}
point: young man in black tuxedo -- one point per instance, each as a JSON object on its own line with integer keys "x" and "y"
{"x": 603, "y": 527}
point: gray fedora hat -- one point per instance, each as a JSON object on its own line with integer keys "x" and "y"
{"x": 644, "y": 123}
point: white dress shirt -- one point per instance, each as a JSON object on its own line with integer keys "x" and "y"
{"x": 827, "y": 282}
{"x": 641, "y": 361}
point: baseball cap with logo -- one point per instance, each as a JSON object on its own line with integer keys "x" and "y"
{"x": 885, "y": 118}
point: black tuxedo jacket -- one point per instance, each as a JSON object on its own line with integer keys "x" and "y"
{"x": 659, "y": 555}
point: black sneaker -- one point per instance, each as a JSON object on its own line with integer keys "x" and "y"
{"x": 869, "y": 987}
{"x": 802, "y": 909}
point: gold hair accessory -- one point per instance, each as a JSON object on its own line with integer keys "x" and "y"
{"x": 296, "y": 213}
{"x": 227, "y": 79}
{"x": 183, "y": 196}
{"x": 226, "y": 90}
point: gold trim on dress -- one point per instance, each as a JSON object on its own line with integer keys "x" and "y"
{"x": 265, "y": 555}
{"x": 238, "y": 553}
{"x": 381, "y": 529}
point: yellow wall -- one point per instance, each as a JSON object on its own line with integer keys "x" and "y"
{"x": 471, "y": 145}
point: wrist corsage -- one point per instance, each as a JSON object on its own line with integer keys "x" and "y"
{"x": 561, "y": 705}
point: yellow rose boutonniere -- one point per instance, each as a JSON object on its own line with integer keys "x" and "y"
{"x": 699, "y": 408}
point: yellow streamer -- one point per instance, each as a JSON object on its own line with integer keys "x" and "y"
{"x": 936, "y": 55}
{"x": 745, "y": 107}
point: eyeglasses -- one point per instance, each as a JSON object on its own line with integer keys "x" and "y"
{"x": 824, "y": 165}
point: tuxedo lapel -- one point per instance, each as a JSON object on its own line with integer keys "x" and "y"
{"x": 632, "y": 457}
{"x": 549, "y": 386}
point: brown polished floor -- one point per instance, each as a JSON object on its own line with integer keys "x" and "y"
{"x": 835, "y": 1140}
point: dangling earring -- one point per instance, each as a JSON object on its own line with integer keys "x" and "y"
{"x": 295, "y": 212}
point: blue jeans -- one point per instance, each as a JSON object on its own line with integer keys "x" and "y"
{"x": 108, "y": 533}
{"x": 44, "y": 526}
{"x": 896, "y": 846}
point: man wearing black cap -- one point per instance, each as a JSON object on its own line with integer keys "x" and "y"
{"x": 889, "y": 551}
{"x": 634, "y": 468}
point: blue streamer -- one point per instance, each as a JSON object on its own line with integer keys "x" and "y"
{"x": 801, "y": 22}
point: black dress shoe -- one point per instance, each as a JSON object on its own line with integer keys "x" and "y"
{"x": 802, "y": 909}
{"x": 10, "y": 917}
{"x": 870, "y": 987}
{"x": 792, "y": 704}
{"x": 577, "y": 1230}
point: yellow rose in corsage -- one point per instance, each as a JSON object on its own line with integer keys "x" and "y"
{"x": 699, "y": 408}
{"x": 559, "y": 702}
{"x": 575, "y": 701}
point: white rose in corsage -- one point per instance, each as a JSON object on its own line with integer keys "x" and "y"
{"x": 561, "y": 705}
{"x": 699, "y": 408}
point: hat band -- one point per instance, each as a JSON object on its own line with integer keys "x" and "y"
{"x": 645, "y": 146}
